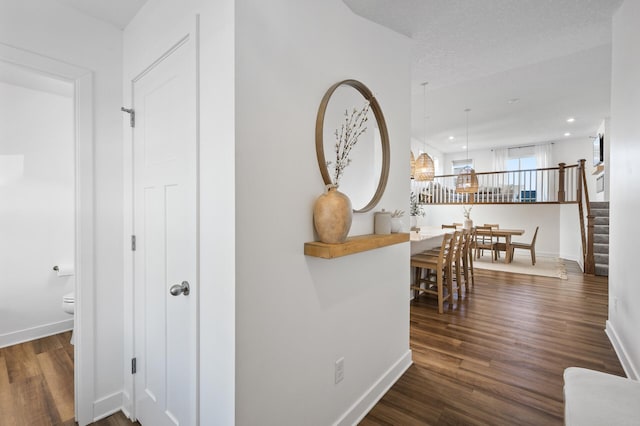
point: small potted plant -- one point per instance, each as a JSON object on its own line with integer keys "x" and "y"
{"x": 468, "y": 223}
{"x": 415, "y": 210}
{"x": 396, "y": 221}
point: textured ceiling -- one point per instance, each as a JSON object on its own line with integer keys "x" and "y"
{"x": 553, "y": 55}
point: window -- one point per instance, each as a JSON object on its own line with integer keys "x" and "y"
{"x": 458, "y": 165}
{"x": 521, "y": 163}
{"x": 523, "y": 160}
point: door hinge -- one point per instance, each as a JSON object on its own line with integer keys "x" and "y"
{"x": 133, "y": 366}
{"x": 133, "y": 243}
{"x": 132, "y": 115}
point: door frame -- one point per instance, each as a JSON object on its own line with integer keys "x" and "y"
{"x": 193, "y": 35}
{"x": 82, "y": 80}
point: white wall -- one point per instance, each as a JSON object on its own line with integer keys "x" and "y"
{"x": 482, "y": 160}
{"x": 293, "y": 314}
{"x": 569, "y": 237}
{"x": 158, "y": 25}
{"x": 568, "y": 150}
{"x": 624, "y": 291}
{"x": 571, "y": 150}
{"x": 516, "y": 216}
{"x": 36, "y": 212}
{"x": 48, "y": 28}
{"x": 297, "y": 315}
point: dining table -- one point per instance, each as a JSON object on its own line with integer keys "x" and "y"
{"x": 502, "y": 233}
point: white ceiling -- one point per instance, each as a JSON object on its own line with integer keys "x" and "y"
{"x": 116, "y": 12}
{"x": 552, "y": 55}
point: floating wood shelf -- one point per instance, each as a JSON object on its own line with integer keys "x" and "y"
{"x": 353, "y": 245}
{"x": 598, "y": 169}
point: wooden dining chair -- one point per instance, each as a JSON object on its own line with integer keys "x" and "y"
{"x": 458, "y": 274}
{"x": 484, "y": 241}
{"x": 467, "y": 259}
{"x": 439, "y": 264}
{"x": 457, "y": 263}
{"x": 524, "y": 246}
{"x": 496, "y": 238}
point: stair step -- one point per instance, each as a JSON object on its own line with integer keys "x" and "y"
{"x": 601, "y": 220}
{"x": 602, "y": 270}
{"x": 601, "y": 229}
{"x": 601, "y": 238}
{"x": 600, "y": 212}
{"x": 599, "y": 204}
{"x": 601, "y": 258}
{"x": 601, "y": 248}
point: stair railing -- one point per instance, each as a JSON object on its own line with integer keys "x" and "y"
{"x": 588, "y": 256}
{"x": 545, "y": 185}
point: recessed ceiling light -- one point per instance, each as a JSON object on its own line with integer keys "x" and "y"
{"x": 570, "y": 120}
{"x": 464, "y": 147}
{"x": 513, "y": 100}
{"x": 451, "y": 138}
{"x": 567, "y": 134}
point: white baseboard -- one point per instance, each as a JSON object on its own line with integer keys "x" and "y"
{"x": 366, "y": 402}
{"x": 33, "y": 333}
{"x": 110, "y": 404}
{"x": 627, "y": 364}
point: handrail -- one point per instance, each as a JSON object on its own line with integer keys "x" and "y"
{"x": 511, "y": 171}
{"x": 545, "y": 185}
{"x": 588, "y": 251}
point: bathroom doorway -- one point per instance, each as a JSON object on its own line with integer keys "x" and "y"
{"x": 37, "y": 203}
{"x": 46, "y": 208}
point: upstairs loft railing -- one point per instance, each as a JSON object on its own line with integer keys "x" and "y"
{"x": 562, "y": 184}
{"x": 559, "y": 185}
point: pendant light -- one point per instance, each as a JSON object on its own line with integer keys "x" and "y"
{"x": 467, "y": 180}
{"x": 425, "y": 169}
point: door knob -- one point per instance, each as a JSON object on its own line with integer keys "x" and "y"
{"x": 178, "y": 289}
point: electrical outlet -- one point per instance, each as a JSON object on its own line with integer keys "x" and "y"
{"x": 339, "y": 370}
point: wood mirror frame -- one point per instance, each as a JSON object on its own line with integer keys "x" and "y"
{"x": 384, "y": 138}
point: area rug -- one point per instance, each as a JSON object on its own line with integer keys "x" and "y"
{"x": 545, "y": 266}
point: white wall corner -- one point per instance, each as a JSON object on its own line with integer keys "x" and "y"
{"x": 630, "y": 369}
{"x": 107, "y": 406}
{"x": 127, "y": 405}
{"x": 365, "y": 403}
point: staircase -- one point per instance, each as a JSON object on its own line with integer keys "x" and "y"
{"x": 600, "y": 210}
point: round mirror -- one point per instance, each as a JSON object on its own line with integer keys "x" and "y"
{"x": 349, "y": 112}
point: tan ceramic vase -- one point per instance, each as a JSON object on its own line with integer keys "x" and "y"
{"x": 332, "y": 215}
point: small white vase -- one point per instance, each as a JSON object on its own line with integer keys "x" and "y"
{"x": 413, "y": 221}
{"x": 468, "y": 224}
{"x": 396, "y": 225}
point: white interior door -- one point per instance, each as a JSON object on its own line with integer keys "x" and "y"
{"x": 165, "y": 225}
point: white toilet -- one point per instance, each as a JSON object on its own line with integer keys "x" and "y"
{"x": 68, "y": 305}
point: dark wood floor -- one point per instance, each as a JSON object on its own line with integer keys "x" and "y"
{"x": 36, "y": 384}
{"x": 495, "y": 359}
{"x": 498, "y": 357}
